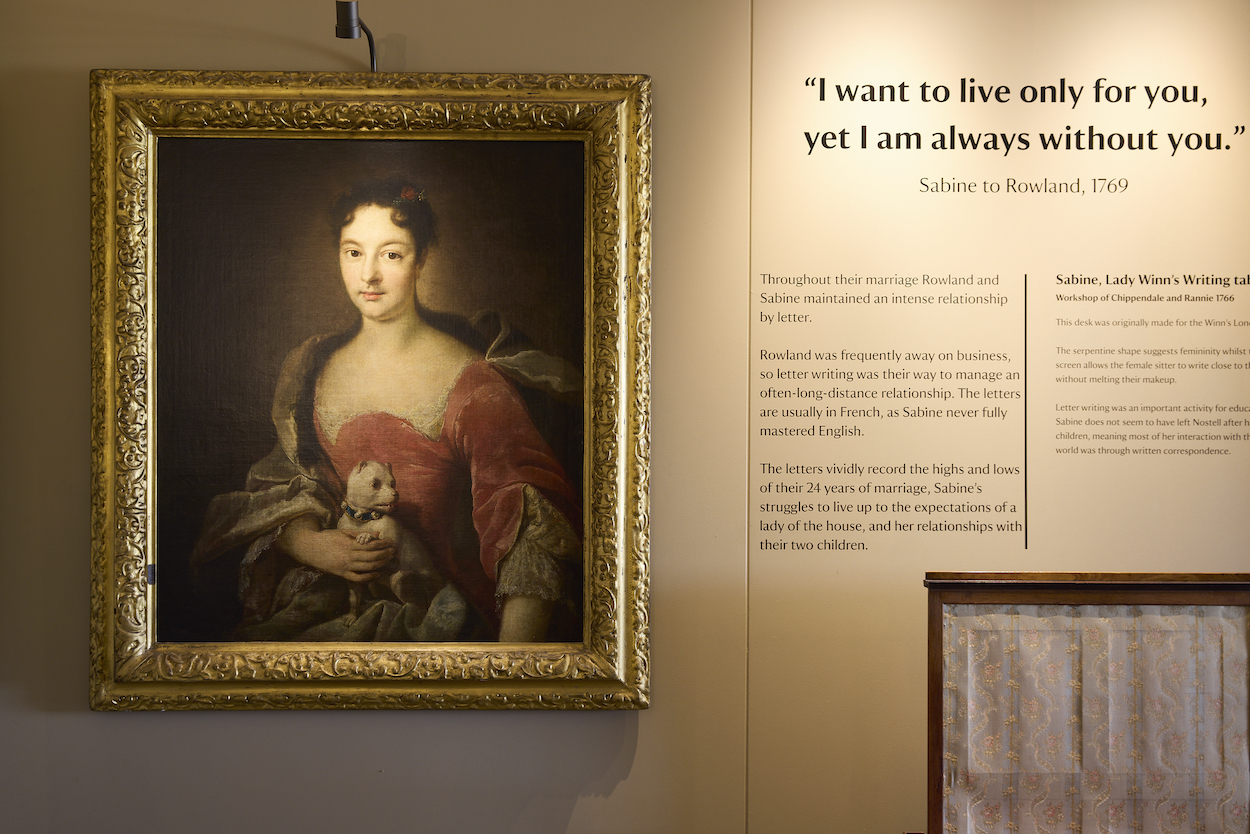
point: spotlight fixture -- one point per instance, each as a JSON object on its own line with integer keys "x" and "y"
{"x": 349, "y": 24}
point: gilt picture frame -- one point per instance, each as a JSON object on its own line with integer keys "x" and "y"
{"x": 213, "y": 267}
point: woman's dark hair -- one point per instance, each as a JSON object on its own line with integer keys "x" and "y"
{"x": 408, "y": 202}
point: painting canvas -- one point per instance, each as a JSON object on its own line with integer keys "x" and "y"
{"x": 248, "y": 271}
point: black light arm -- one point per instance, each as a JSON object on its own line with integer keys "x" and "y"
{"x": 349, "y": 24}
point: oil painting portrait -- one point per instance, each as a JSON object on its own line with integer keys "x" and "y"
{"x": 323, "y": 304}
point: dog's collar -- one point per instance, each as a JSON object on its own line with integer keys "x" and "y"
{"x": 361, "y": 515}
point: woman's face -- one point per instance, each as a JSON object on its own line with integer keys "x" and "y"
{"x": 379, "y": 264}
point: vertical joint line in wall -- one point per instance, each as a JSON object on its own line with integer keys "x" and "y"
{"x": 1026, "y": 411}
{"x": 746, "y": 700}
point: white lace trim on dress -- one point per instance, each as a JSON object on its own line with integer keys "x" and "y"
{"x": 427, "y": 419}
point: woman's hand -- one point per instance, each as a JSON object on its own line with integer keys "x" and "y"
{"x": 335, "y": 551}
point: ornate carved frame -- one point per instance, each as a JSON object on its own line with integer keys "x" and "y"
{"x": 130, "y": 112}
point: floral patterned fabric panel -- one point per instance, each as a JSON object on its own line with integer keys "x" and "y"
{"x": 1095, "y": 719}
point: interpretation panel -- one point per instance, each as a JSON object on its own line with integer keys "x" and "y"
{"x": 1000, "y": 315}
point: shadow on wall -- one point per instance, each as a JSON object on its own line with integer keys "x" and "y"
{"x": 520, "y": 773}
{"x": 508, "y": 771}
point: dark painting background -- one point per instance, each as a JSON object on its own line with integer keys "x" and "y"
{"x": 247, "y": 268}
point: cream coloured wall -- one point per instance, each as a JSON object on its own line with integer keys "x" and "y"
{"x": 679, "y": 766}
{"x": 837, "y": 644}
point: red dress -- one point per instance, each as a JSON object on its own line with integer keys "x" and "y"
{"x": 466, "y": 484}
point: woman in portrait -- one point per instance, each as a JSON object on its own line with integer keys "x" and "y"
{"x": 443, "y": 402}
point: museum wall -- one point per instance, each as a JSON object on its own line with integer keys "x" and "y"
{"x": 785, "y": 740}
{"x": 679, "y": 766}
